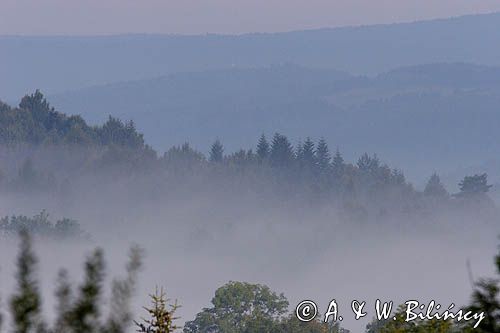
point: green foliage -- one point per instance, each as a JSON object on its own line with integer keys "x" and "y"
{"x": 240, "y": 307}
{"x": 338, "y": 164}
{"x": 486, "y": 298}
{"x": 40, "y": 225}
{"x": 36, "y": 122}
{"x": 86, "y": 311}
{"x": 78, "y": 313}
{"x": 293, "y": 325}
{"x": 323, "y": 157}
{"x": 82, "y": 312}
{"x": 368, "y": 163}
{"x": 216, "y": 152}
{"x": 25, "y": 304}
{"x": 162, "y": 317}
{"x": 263, "y": 148}
{"x": 64, "y": 300}
{"x": 121, "y": 294}
{"x": 435, "y": 189}
{"x": 241, "y": 158}
{"x": 281, "y": 154}
{"x": 376, "y": 326}
{"x": 400, "y": 325}
{"x": 184, "y": 156}
{"x": 115, "y": 132}
{"x": 4, "y": 107}
{"x": 306, "y": 171}
{"x": 474, "y": 185}
{"x": 306, "y": 155}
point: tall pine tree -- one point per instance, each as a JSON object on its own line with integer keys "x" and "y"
{"x": 323, "y": 157}
{"x": 25, "y": 304}
{"x": 338, "y": 163}
{"x": 434, "y": 187}
{"x": 305, "y": 154}
{"x": 122, "y": 291}
{"x": 263, "y": 148}
{"x": 216, "y": 152}
{"x": 281, "y": 151}
{"x": 84, "y": 316}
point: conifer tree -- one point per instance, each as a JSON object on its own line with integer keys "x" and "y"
{"x": 121, "y": 294}
{"x": 434, "y": 187}
{"x": 305, "y": 154}
{"x": 263, "y": 148}
{"x": 4, "y": 107}
{"x": 486, "y": 298}
{"x": 25, "y": 303}
{"x": 216, "y": 152}
{"x": 80, "y": 314}
{"x": 161, "y": 317}
{"x": 84, "y": 316}
{"x": 338, "y": 163}
{"x": 323, "y": 157}
{"x": 298, "y": 150}
{"x": 368, "y": 163}
{"x": 281, "y": 151}
{"x": 474, "y": 185}
{"x": 40, "y": 109}
{"x": 64, "y": 300}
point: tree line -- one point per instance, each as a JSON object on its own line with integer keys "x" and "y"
{"x": 308, "y": 166}
{"x": 41, "y": 225}
{"x": 35, "y": 122}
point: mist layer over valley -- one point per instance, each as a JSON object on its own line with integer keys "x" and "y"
{"x": 355, "y": 163}
{"x": 299, "y": 218}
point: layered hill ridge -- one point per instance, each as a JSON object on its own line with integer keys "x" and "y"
{"x": 67, "y": 63}
{"x": 440, "y": 110}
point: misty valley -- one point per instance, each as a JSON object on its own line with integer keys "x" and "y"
{"x": 162, "y": 173}
{"x": 227, "y": 234}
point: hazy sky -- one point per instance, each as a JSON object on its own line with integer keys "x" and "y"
{"x": 68, "y": 17}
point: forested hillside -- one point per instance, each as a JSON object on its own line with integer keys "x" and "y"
{"x": 38, "y": 132}
{"x": 35, "y": 122}
{"x": 442, "y": 111}
{"x": 103, "y": 184}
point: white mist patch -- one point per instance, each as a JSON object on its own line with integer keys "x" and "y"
{"x": 305, "y": 259}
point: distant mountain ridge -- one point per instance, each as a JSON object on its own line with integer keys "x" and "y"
{"x": 57, "y": 64}
{"x": 453, "y": 74}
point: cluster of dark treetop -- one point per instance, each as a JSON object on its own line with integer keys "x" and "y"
{"x": 41, "y": 225}
{"x": 35, "y": 123}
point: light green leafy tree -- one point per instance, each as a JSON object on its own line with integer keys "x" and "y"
{"x": 240, "y": 307}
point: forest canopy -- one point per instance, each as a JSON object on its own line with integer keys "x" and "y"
{"x": 310, "y": 167}
{"x": 36, "y": 122}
